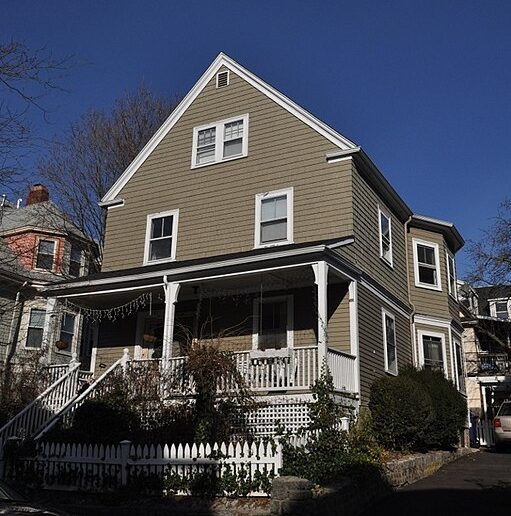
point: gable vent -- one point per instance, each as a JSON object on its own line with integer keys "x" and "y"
{"x": 222, "y": 79}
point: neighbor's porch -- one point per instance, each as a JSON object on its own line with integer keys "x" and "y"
{"x": 281, "y": 325}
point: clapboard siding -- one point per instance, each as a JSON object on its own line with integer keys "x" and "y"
{"x": 365, "y": 252}
{"x": 217, "y": 203}
{"x": 426, "y": 301}
{"x": 371, "y": 347}
{"x": 7, "y": 297}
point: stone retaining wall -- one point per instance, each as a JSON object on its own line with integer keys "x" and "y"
{"x": 297, "y": 496}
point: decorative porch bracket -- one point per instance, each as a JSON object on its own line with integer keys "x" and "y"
{"x": 171, "y": 293}
{"x": 320, "y": 270}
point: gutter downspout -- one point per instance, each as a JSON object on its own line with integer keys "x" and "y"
{"x": 408, "y": 279}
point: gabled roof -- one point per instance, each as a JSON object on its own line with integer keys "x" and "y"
{"x": 223, "y": 60}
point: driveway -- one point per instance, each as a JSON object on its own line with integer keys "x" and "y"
{"x": 477, "y": 484}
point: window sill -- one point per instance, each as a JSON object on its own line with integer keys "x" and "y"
{"x": 437, "y": 288}
{"x": 162, "y": 260}
{"x": 391, "y": 373}
{"x": 273, "y": 244}
{"x": 32, "y": 349}
{"x": 225, "y": 160}
{"x": 387, "y": 263}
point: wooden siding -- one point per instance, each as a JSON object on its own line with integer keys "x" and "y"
{"x": 371, "y": 347}
{"x": 7, "y": 297}
{"x": 429, "y": 302}
{"x": 365, "y": 252}
{"x": 217, "y": 202}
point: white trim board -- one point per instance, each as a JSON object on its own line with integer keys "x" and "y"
{"x": 223, "y": 60}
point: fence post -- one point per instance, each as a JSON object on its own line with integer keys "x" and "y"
{"x": 125, "y": 455}
{"x": 125, "y": 358}
{"x": 73, "y": 360}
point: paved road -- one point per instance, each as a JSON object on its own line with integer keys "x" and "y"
{"x": 478, "y": 484}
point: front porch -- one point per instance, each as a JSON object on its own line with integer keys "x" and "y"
{"x": 280, "y": 324}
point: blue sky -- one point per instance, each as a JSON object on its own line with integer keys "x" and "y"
{"x": 423, "y": 87}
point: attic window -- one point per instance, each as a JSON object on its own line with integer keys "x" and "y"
{"x": 222, "y": 79}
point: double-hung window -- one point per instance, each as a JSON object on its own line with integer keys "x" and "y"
{"x": 274, "y": 218}
{"x": 220, "y": 141}
{"x": 389, "y": 340}
{"x": 161, "y": 237}
{"x": 427, "y": 265}
{"x": 432, "y": 351}
{"x": 45, "y": 254}
{"x": 67, "y": 331}
{"x": 460, "y": 370}
{"x": 35, "y": 328}
{"x": 385, "y": 237}
{"x": 75, "y": 260}
{"x": 451, "y": 276}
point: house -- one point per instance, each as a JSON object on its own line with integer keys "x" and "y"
{"x": 248, "y": 218}
{"x": 39, "y": 246}
{"x": 487, "y": 345}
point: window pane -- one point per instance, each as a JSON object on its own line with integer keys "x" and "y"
{"x": 46, "y": 246}
{"x": 76, "y": 253}
{"x": 233, "y": 148}
{"x": 233, "y": 130}
{"x": 159, "y": 249}
{"x": 37, "y": 318}
{"x": 273, "y": 330}
{"x": 167, "y": 226}
{"x": 206, "y": 137}
{"x": 75, "y": 268}
{"x": 427, "y": 275}
{"x": 156, "y": 227}
{"x": 426, "y": 254}
{"x": 274, "y": 208}
{"x": 389, "y": 326}
{"x": 206, "y": 154}
{"x": 68, "y": 323}
{"x": 385, "y": 226}
{"x": 273, "y": 231}
{"x": 433, "y": 355}
{"x": 34, "y": 337}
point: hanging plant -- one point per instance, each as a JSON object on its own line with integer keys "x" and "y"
{"x": 61, "y": 344}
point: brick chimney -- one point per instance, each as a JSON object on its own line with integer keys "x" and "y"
{"x": 38, "y": 193}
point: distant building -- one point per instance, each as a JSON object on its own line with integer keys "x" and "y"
{"x": 487, "y": 343}
{"x": 39, "y": 246}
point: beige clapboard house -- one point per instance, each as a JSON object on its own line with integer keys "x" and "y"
{"x": 247, "y": 220}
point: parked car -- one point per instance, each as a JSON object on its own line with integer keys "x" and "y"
{"x": 14, "y": 504}
{"x": 502, "y": 426}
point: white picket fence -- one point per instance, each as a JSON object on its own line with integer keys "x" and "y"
{"x": 485, "y": 432}
{"x": 98, "y": 468}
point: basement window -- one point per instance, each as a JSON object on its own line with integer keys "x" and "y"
{"x": 220, "y": 141}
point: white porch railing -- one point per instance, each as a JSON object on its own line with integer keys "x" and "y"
{"x": 343, "y": 370}
{"x": 35, "y": 415}
{"x": 96, "y": 388}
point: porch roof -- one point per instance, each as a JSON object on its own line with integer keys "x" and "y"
{"x": 255, "y": 259}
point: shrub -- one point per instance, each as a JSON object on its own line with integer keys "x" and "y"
{"x": 329, "y": 452}
{"x": 401, "y": 412}
{"x": 449, "y": 408}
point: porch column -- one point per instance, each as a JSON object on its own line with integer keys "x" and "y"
{"x": 171, "y": 292}
{"x": 321, "y": 279}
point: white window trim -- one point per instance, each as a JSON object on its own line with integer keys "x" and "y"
{"x": 384, "y": 314}
{"x": 219, "y": 141}
{"x": 290, "y": 320}
{"x": 426, "y": 333}
{"x": 288, "y": 192}
{"x": 36, "y": 254}
{"x": 381, "y": 212}
{"x": 448, "y": 256}
{"x": 493, "y": 305}
{"x": 150, "y": 217}
{"x": 76, "y": 329}
{"x": 43, "y": 335}
{"x": 438, "y": 286}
